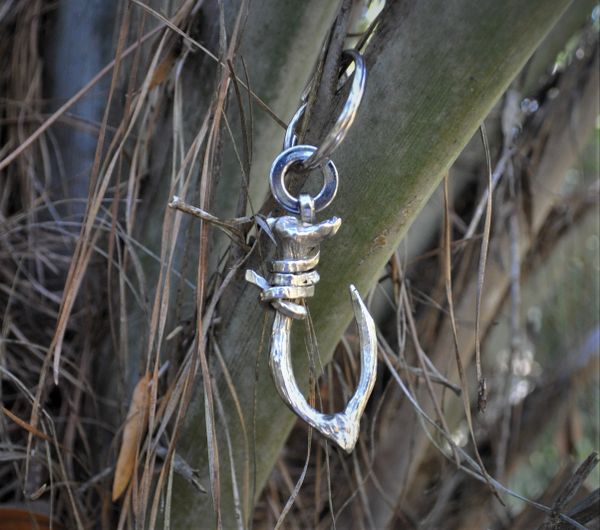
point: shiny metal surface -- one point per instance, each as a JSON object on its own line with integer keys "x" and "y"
{"x": 281, "y": 166}
{"x": 298, "y": 255}
{"x": 291, "y": 138}
{"x": 338, "y": 132}
{"x": 342, "y": 428}
{"x": 298, "y": 265}
{"x": 292, "y": 276}
{"x": 307, "y": 208}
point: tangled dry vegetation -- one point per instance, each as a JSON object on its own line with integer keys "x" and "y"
{"x": 111, "y": 305}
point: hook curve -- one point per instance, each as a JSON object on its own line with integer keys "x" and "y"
{"x": 342, "y": 428}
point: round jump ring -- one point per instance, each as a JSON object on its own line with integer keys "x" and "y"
{"x": 344, "y": 122}
{"x": 281, "y": 165}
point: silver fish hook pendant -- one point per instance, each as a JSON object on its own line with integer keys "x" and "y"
{"x": 292, "y": 278}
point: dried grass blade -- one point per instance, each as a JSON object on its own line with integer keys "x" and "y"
{"x": 22, "y": 423}
{"x": 210, "y": 54}
{"x": 88, "y": 236}
{"x": 485, "y": 242}
{"x": 475, "y": 471}
{"x": 570, "y": 490}
{"x": 246, "y": 142}
{"x": 231, "y": 227}
{"x": 209, "y": 407}
{"x": 447, "y": 267}
{"x": 74, "y": 99}
{"x": 183, "y": 387}
{"x": 238, "y": 407}
{"x": 294, "y": 494}
{"x": 250, "y": 122}
{"x": 420, "y": 356}
{"x": 239, "y": 516}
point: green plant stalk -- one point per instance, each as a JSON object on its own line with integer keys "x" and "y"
{"x": 556, "y": 146}
{"x": 434, "y": 73}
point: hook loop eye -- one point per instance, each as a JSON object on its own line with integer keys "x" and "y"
{"x": 282, "y": 164}
{"x": 344, "y": 122}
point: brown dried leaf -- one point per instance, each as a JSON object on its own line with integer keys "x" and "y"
{"x": 164, "y": 68}
{"x": 134, "y": 428}
{"x": 16, "y": 518}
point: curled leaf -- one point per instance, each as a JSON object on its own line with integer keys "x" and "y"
{"x": 134, "y": 428}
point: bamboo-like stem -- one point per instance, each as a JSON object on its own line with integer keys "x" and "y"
{"x": 435, "y": 70}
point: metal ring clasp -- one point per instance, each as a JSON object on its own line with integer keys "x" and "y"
{"x": 342, "y": 125}
{"x": 282, "y": 164}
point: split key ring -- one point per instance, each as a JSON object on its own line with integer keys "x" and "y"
{"x": 338, "y": 132}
